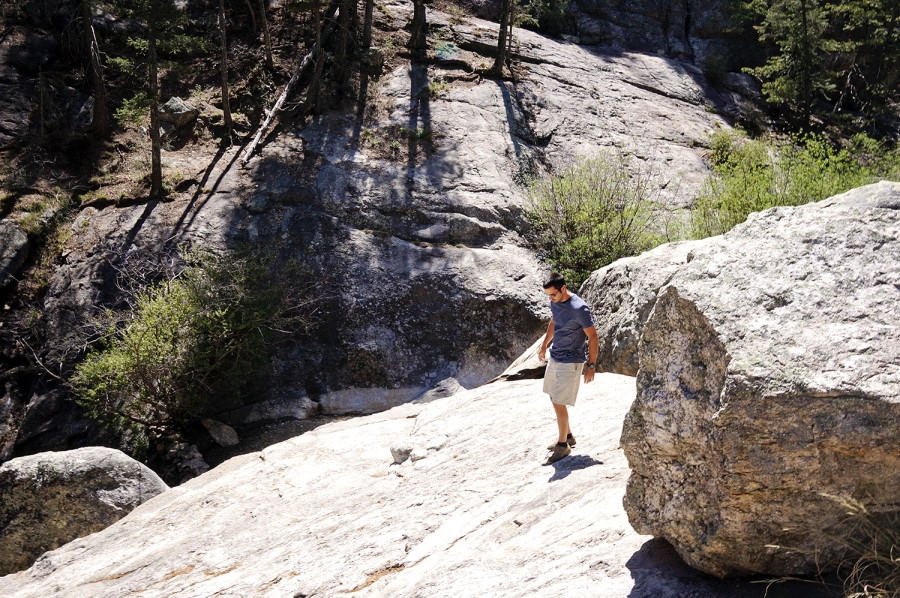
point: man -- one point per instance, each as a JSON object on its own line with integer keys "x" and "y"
{"x": 569, "y": 328}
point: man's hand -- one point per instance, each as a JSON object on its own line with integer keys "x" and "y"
{"x": 588, "y": 374}
{"x": 542, "y": 353}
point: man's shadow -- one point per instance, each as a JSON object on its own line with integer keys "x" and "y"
{"x": 572, "y": 463}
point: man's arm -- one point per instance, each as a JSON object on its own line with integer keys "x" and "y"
{"x": 542, "y": 352}
{"x": 593, "y": 346}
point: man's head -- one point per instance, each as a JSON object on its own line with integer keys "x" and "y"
{"x": 555, "y": 287}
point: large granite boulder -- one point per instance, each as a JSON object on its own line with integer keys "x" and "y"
{"x": 690, "y": 30}
{"x": 23, "y": 54}
{"x": 769, "y": 383}
{"x": 621, "y": 296}
{"x": 176, "y": 114}
{"x": 49, "y": 499}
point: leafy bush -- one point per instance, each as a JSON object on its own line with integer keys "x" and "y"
{"x": 753, "y": 175}
{"x": 203, "y": 334}
{"x": 593, "y": 214}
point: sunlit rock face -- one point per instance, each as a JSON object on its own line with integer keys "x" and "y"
{"x": 469, "y": 510}
{"x": 768, "y": 384}
{"x": 622, "y": 295}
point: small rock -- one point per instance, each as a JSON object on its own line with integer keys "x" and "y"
{"x": 372, "y": 59}
{"x": 177, "y": 113}
{"x": 401, "y": 453}
{"x": 299, "y": 406}
{"x": 743, "y": 84}
{"x": 444, "y": 388}
{"x": 258, "y": 204}
{"x": 223, "y": 434}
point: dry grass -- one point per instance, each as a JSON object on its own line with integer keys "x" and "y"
{"x": 874, "y": 541}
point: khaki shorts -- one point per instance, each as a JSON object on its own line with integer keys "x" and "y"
{"x": 562, "y": 380}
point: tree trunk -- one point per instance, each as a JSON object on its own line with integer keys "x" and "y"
{"x": 806, "y": 67}
{"x": 155, "y": 145}
{"x": 340, "y": 74}
{"x": 505, "y": 19}
{"x": 223, "y": 68}
{"x": 270, "y": 62}
{"x": 419, "y": 32}
{"x": 316, "y": 84}
{"x": 252, "y": 17}
{"x": 93, "y": 70}
{"x": 367, "y": 25}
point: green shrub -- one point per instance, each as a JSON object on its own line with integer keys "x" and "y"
{"x": 593, "y": 214}
{"x": 203, "y": 334}
{"x": 134, "y": 111}
{"x": 752, "y": 175}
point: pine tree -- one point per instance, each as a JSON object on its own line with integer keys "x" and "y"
{"x": 867, "y": 32}
{"x": 343, "y": 44}
{"x": 796, "y": 74}
{"x": 163, "y": 23}
{"x": 93, "y": 69}
{"x": 267, "y": 40}
{"x": 367, "y": 25}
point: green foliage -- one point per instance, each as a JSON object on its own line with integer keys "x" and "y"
{"x": 753, "y": 175}
{"x": 546, "y": 16}
{"x": 796, "y": 74}
{"x": 846, "y": 52}
{"x": 437, "y": 88}
{"x": 204, "y": 334}
{"x": 593, "y": 214}
{"x": 868, "y": 31}
{"x": 133, "y": 111}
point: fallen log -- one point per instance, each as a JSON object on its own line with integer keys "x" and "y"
{"x": 270, "y": 115}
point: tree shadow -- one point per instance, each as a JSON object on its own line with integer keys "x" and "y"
{"x": 659, "y": 572}
{"x": 193, "y": 208}
{"x": 419, "y": 111}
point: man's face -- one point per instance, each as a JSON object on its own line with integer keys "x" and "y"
{"x": 554, "y": 293}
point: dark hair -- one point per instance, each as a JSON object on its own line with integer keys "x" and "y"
{"x": 556, "y": 281}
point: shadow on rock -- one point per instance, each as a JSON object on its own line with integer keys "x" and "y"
{"x": 659, "y": 572}
{"x": 570, "y": 464}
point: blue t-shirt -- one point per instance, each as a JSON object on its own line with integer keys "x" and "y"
{"x": 570, "y": 318}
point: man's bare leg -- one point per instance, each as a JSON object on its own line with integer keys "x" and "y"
{"x": 562, "y": 421}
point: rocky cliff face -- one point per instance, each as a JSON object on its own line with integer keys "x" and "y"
{"x": 767, "y": 383}
{"x": 418, "y": 243}
{"x": 471, "y": 512}
{"x": 691, "y": 30}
